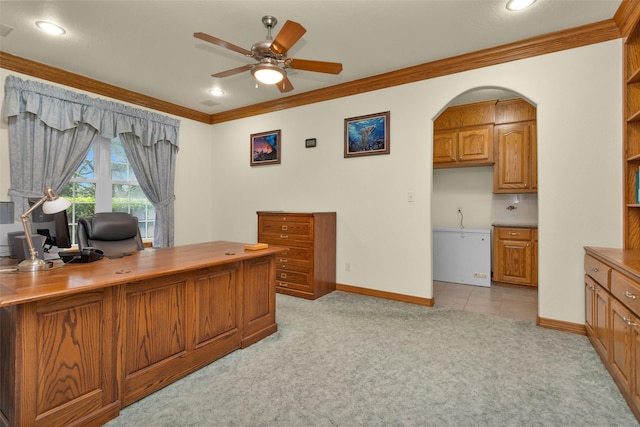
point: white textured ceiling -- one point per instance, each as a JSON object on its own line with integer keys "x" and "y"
{"x": 148, "y": 46}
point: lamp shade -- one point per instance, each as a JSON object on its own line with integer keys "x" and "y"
{"x": 54, "y": 203}
{"x": 268, "y": 73}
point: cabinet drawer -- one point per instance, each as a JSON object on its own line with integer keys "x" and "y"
{"x": 291, "y": 285}
{"x": 626, "y": 290}
{"x": 598, "y": 270}
{"x": 301, "y": 277}
{"x": 295, "y": 254}
{"x": 514, "y": 233}
{"x": 298, "y": 255}
{"x": 287, "y": 229}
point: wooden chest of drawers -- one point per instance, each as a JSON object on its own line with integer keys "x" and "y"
{"x": 308, "y": 268}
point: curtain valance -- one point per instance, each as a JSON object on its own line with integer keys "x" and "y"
{"x": 63, "y": 109}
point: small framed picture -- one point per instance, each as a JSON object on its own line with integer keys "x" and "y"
{"x": 367, "y": 135}
{"x": 310, "y": 142}
{"x": 265, "y": 148}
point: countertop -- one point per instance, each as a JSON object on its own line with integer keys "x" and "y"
{"x": 516, "y": 225}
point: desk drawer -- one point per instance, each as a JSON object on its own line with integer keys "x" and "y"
{"x": 598, "y": 270}
{"x": 626, "y": 290}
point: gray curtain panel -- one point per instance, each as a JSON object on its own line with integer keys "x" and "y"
{"x": 51, "y": 130}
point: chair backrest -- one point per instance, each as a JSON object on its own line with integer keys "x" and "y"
{"x": 114, "y": 233}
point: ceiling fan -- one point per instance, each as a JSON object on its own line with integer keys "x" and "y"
{"x": 271, "y": 55}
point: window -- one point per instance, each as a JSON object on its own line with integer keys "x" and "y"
{"x": 105, "y": 182}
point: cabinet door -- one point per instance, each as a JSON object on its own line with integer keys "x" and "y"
{"x": 534, "y": 157}
{"x": 68, "y": 364}
{"x": 513, "y": 262}
{"x": 475, "y": 145}
{"x": 635, "y": 365}
{"x": 513, "y": 166}
{"x": 620, "y": 351}
{"x": 601, "y": 313}
{"x": 589, "y": 298}
{"x": 444, "y": 147}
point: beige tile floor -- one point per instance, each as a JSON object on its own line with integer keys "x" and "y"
{"x": 513, "y": 303}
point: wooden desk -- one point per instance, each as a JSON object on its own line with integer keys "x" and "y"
{"x": 79, "y": 342}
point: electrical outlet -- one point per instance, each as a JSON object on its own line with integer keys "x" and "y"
{"x": 347, "y": 266}
{"x": 411, "y": 197}
{"x": 480, "y": 275}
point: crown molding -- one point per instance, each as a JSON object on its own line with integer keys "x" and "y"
{"x": 548, "y": 43}
{"x": 63, "y": 77}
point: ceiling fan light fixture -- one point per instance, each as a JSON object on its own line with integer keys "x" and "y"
{"x": 268, "y": 73}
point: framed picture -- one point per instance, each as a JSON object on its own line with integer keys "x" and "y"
{"x": 367, "y": 135}
{"x": 265, "y": 148}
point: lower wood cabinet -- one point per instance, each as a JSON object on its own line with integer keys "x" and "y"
{"x": 307, "y": 269}
{"x": 612, "y": 285}
{"x": 515, "y": 258}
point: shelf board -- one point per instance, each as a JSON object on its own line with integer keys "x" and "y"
{"x": 633, "y": 206}
{"x": 634, "y": 77}
{"x": 635, "y": 117}
{"x": 633, "y": 158}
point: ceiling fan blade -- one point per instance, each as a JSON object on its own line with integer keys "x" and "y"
{"x": 287, "y": 37}
{"x": 220, "y": 42}
{"x": 233, "y": 71}
{"x": 285, "y": 85}
{"x": 317, "y": 66}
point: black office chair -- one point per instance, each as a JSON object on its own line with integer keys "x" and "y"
{"x": 114, "y": 233}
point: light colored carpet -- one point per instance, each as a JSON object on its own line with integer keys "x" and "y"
{"x": 351, "y": 360}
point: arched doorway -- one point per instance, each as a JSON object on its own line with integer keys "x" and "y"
{"x": 468, "y": 197}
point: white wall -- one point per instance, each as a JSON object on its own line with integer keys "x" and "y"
{"x": 193, "y": 173}
{"x": 468, "y": 188}
{"x": 386, "y": 239}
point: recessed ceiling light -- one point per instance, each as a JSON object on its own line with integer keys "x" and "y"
{"x": 50, "y": 28}
{"x": 519, "y": 4}
{"x": 216, "y": 92}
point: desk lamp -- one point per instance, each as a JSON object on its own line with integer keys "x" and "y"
{"x": 51, "y": 203}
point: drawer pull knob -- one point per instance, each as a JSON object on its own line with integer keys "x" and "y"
{"x": 629, "y": 295}
{"x": 284, "y": 236}
{"x": 514, "y": 234}
{"x": 593, "y": 288}
{"x": 285, "y": 228}
{"x": 284, "y": 285}
{"x": 628, "y": 321}
{"x": 283, "y": 275}
{"x": 284, "y": 260}
{"x": 595, "y": 269}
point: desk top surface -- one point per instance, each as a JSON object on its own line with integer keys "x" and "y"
{"x": 23, "y": 287}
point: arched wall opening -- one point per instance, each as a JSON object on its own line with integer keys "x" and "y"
{"x": 463, "y": 202}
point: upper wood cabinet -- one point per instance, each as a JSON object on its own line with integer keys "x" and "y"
{"x": 463, "y": 136}
{"x": 516, "y": 146}
{"x": 516, "y": 168}
{"x": 500, "y": 133}
{"x": 463, "y": 147}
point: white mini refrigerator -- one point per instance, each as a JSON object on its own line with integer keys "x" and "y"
{"x": 462, "y": 255}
